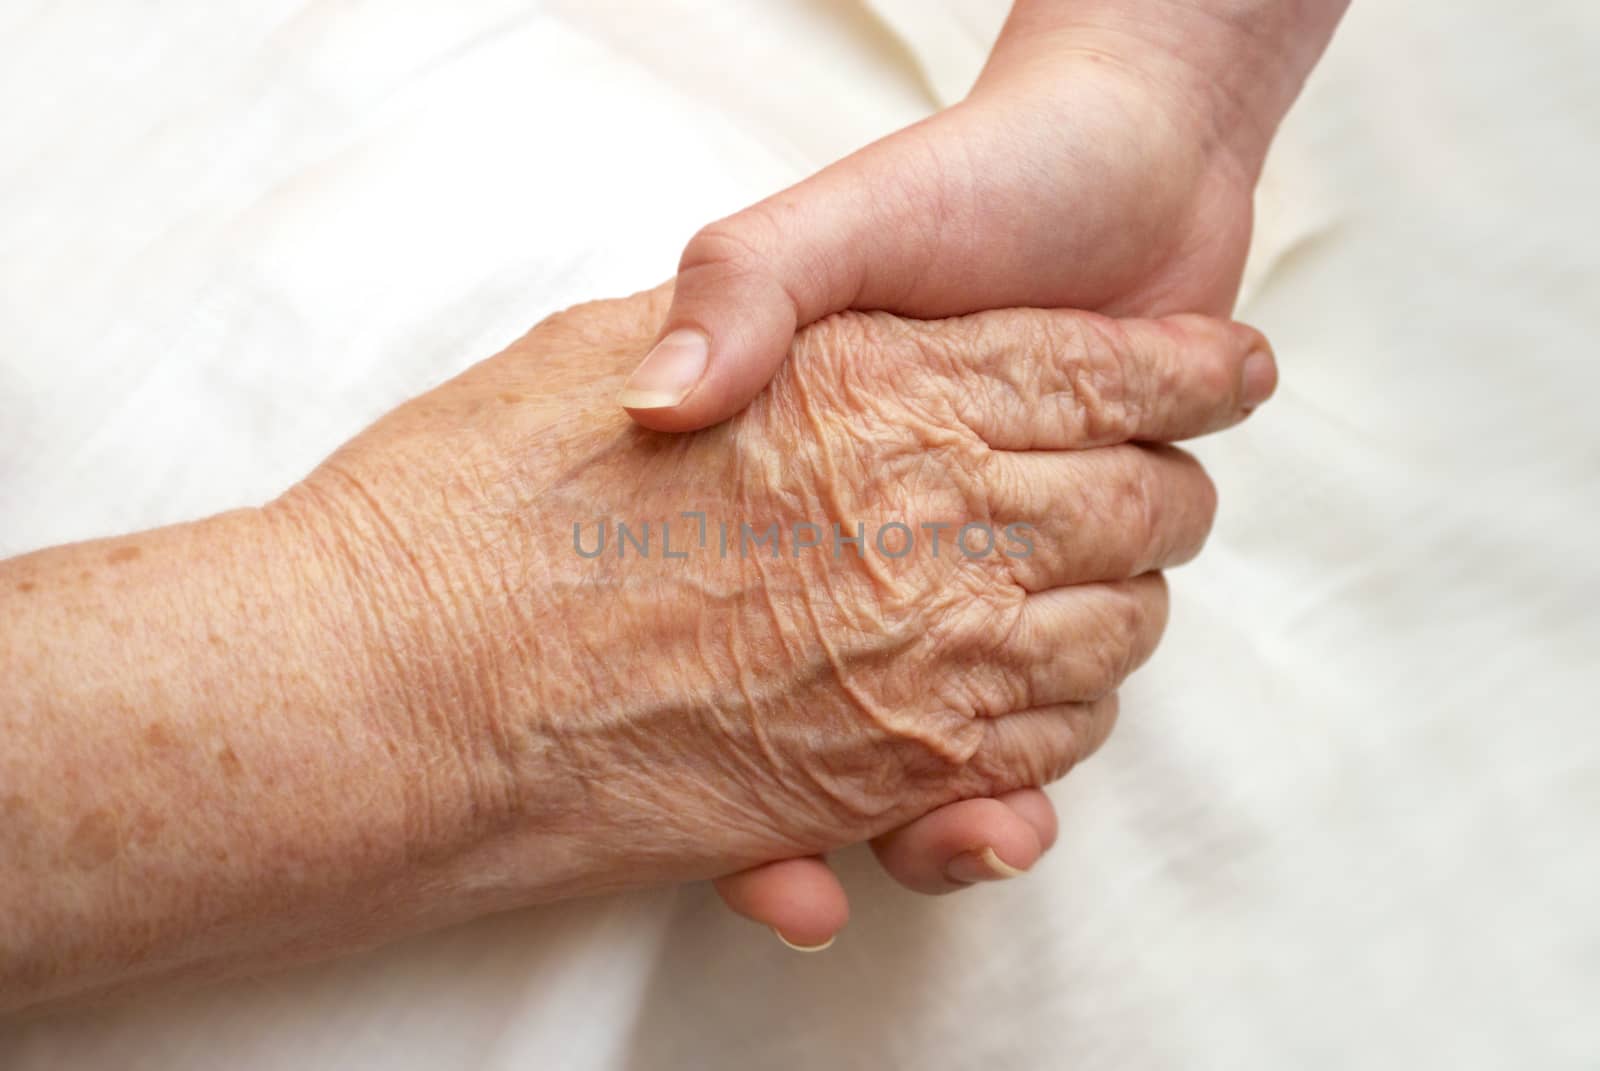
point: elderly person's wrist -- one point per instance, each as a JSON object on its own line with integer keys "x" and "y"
{"x": 181, "y": 721}
{"x": 460, "y": 651}
{"x": 388, "y": 620}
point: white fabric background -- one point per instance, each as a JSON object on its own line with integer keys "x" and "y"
{"x": 1348, "y": 818}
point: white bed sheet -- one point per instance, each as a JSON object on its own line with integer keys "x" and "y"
{"x": 1348, "y": 817}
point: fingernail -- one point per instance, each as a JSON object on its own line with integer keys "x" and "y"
{"x": 804, "y": 948}
{"x": 968, "y": 868}
{"x": 1260, "y": 376}
{"x": 668, "y": 372}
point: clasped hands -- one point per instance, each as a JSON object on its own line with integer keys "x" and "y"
{"x": 632, "y": 711}
{"x": 411, "y": 690}
{"x": 402, "y": 694}
{"x": 1094, "y": 166}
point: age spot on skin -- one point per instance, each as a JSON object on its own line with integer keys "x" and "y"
{"x": 123, "y": 554}
{"x": 510, "y": 399}
{"x": 94, "y": 842}
{"x": 148, "y": 829}
{"x": 229, "y": 761}
{"x": 158, "y": 735}
{"x": 26, "y": 586}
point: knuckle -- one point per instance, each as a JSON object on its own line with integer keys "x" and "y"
{"x": 953, "y": 754}
{"x": 985, "y": 690}
{"x": 1149, "y": 506}
{"x": 1000, "y": 481}
{"x": 1099, "y": 718}
{"x": 843, "y": 363}
{"x": 845, "y": 339}
{"x": 1106, "y": 669}
{"x": 1101, "y": 377}
{"x": 1034, "y": 752}
{"x": 1071, "y": 747}
{"x": 948, "y": 348}
{"x": 1140, "y": 510}
{"x": 736, "y": 242}
{"x": 1050, "y": 757}
{"x": 1016, "y": 756}
{"x": 1120, "y": 622}
{"x": 988, "y": 773}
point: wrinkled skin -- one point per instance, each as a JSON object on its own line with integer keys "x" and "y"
{"x": 1105, "y": 159}
{"x": 1086, "y": 188}
{"x": 1067, "y": 179}
{"x": 623, "y": 721}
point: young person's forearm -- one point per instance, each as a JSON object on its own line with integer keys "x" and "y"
{"x": 1243, "y": 61}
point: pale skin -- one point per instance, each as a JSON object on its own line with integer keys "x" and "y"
{"x": 1104, "y": 160}
{"x": 397, "y": 697}
{"x": 1146, "y": 118}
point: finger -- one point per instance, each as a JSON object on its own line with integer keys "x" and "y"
{"x": 1037, "y": 810}
{"x": 744, "y": 285}
{"x": 1039, "y": 746}
{"x": 894, "y": 227}
{"x": 971, "y": 841}
{"x": 1053, "y": 380}
{"x": 801, "y": 900}
{"x": 1074, "y": 644}
{"x": 1070, "y": 517}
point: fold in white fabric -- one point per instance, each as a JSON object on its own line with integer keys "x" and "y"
{"x": 1347, "y": 818}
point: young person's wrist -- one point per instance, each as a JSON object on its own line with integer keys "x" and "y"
{"x": 1227, "y": 69}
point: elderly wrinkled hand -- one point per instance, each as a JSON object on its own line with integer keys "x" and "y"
{"x": 506, "y": 646}
{"x": 802, "y": 628}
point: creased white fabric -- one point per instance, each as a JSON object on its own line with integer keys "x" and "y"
{"x": 1348, "y": 817}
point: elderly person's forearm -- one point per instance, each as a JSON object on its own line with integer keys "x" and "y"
{"x": 205, "y": 762}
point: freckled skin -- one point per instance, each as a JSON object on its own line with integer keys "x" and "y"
{"x": 395, "y": 697}
{"x": 158, "y": 736}
{"x": 795, "y": 703}
{"x": 94, "y": 842}
{"x": 147, "y": 828}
